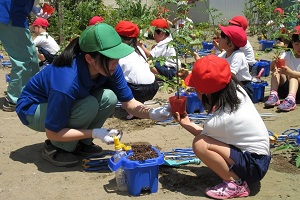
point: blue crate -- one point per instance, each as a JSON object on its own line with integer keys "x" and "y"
{"x": 207, "y": 46}
{"x": 193, "y": 103}
{"x": 141, "y": 175}
{"x": 259, "y": 65}
{"x": 259, "y": 91}
{"x": 266, "y": 44}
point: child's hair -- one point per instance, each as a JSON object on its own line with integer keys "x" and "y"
{"x": 158, "y": 31}
{"x": 132, "y": 41}
{"x": 223, "y": 35}
{"x": 73, "y": 49}
{"x": 294, "y": 38}
{"x": 224, "y": 98}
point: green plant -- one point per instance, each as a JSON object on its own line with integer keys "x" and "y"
{"x": 292, "y": 148}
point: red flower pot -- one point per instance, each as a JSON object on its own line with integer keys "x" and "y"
{"x": 280, "y": 63}
{"x": 178, "y": 104}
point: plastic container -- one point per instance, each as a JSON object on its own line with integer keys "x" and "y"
{"x": 193, "y": 103}
{"x": 259, "y": 65}
{"x": 266, "y": 45}
{"x": 259, "y": 91}
{"x": 141, "y": 175}
{"x": 121, "y": 179}
{"x": 207, "y": 46}
{"x": 178, "y": 104}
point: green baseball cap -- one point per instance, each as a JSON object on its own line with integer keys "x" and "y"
{"x": 104, "y": 39}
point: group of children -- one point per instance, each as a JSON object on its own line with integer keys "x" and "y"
{"x": 238, "y": 153}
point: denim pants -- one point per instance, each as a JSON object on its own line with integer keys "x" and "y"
{"x": 88, "y": 113}
{"x": 22, "y": 53}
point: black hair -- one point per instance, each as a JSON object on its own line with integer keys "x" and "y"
{"x": 158, "y": 31}
{"x": 223, "y": 35}
{"x": 224, "y": 98}
{"x": 294, "y": 38}
{"x": 133, "y": 43}
{"x": 73, "y": 49}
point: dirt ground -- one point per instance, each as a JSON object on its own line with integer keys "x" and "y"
{"x": 25, "y": 175}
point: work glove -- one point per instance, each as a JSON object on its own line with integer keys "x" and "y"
{"x": 106, "y": 135}
{"x": 161, "y": 113}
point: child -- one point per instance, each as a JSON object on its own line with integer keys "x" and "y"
{"x": 95, "y": 20}
{"x": 183, "y": 9}
{"x": 285, "y": 80}
{"x": 47, "y": 47}
{"x": 234, "y": 142}
{"x": 135, "y": 67}
{"x": 231, "y": 40}
{"x": 162, "y": 49}
{"x": 247, "y": 49}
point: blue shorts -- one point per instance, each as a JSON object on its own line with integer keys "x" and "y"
{"x": 168, "y": 72}
{"x": 250, "y": 167}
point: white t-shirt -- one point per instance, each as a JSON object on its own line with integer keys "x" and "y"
{"x": 291, "y": 61}
{"x": 163, "y": 49}
{"x": 47, "y": 42}
{"x": 249, "y": 53}
{"x": 238, "y": 65}
{"x": 181, "y": 23}
{"x": 136, "y": 69}
{"x": 243, "y": 128}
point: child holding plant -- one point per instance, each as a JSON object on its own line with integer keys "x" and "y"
{"x": 285, "y": 78}
{"x": 233, "y": 144}
{"x": 162, "y": 49}
{"x": 231, "y": 40}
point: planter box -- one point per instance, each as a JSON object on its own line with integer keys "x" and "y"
{"x": 141, "y": 175}
{"x": 193, "y": 103}
{"x": 259, "y": 65}
{"x": 259, "y": 91}
{"x": 207, "y": 46}
{"x": 266, "y": 45}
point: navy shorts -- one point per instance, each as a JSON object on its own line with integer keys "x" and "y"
{"x": 168, "y": 72}
{"x": 250, "y": 167}
{"x": 143, "y": 92}
{"x": 283, "y": 91}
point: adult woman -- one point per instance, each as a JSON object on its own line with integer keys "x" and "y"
{"x": 71, "y": 98}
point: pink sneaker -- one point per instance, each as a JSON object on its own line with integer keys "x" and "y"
{"x": 228, "y": 190}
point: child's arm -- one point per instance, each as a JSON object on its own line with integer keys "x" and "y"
{"x": 147, "y": 52}
{"x": 188, "y": 125}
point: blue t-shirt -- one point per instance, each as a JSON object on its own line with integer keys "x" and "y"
{"x": 15, "y": 11}
{"x": 60, "y": 87}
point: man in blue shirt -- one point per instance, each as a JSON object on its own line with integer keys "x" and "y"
{"x": 16, "y": 39}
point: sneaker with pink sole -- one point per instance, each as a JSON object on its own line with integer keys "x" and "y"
{"x": 228, "y": 190}
{"x": 287, "y": 105}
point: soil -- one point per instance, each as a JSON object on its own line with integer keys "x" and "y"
{"x": 142, "y": 152}
{"x": 25, "y": 175}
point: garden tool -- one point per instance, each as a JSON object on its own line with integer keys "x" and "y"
{"x": 257, "y": 79}
{"x": 97, "y": 162}
{"x": 178, "y": 163}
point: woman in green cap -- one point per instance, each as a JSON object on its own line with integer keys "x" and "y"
{"x": 71, "y": 98}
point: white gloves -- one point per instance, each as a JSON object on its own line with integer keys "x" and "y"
{"x": 161, "y": 113}
{"x": 106, "y": 135}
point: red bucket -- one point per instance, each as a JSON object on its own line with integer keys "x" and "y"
{"x": 47, "y": 8}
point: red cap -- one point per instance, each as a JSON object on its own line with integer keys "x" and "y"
{"x": 41, "y": 22}
{"x": 210, "y": 74}
{"x": 239, "y": 21}
{"x": 95, "y": 20}
{"x": 297, "y": 30}
{"x": 128, "y": 29}
{"x": 160, "y": 23}
{"x": 279, "y": 10}
{"x": 237, "y": 35}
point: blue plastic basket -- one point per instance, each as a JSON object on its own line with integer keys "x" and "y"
{"x": 259, "y": 65}
{"x": 259, "y": 91}
{"x": 207, "y": 46}
{"x": 193, "y": 103}
{"x": 266, "y": 44}
{"x": 141, "y": 175}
